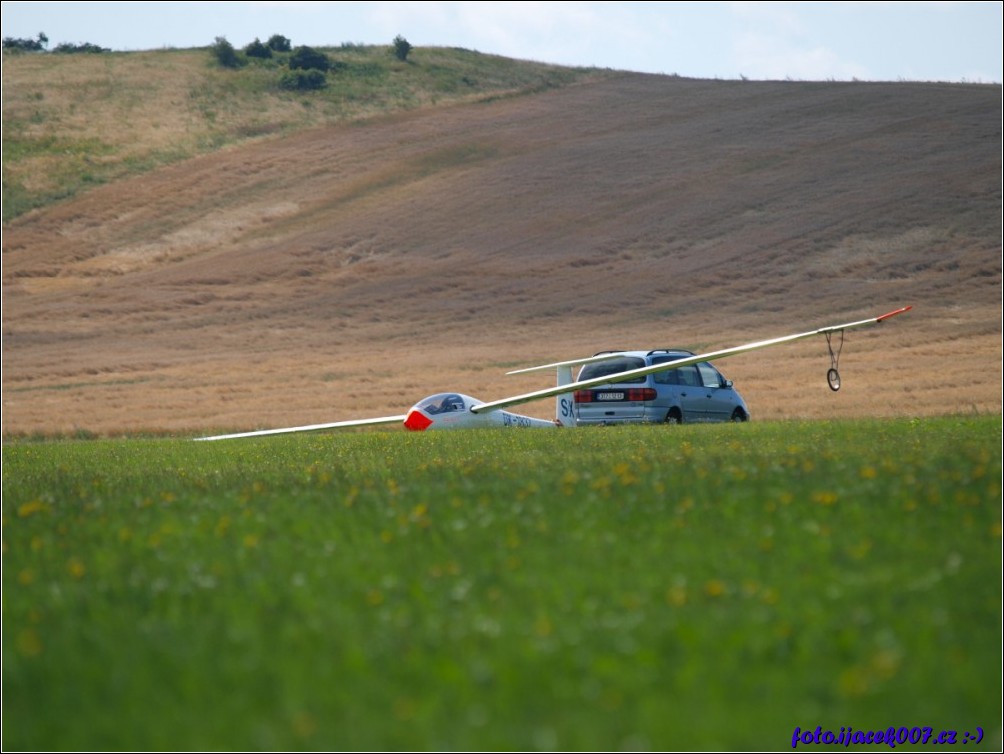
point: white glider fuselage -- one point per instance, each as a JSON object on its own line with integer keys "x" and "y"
{"x": 439, "y": 411}
{"x": 454, "y": 411}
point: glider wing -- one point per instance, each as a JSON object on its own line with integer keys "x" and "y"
{"x": 665, "y": 367}
{"x": 310, "y": 428}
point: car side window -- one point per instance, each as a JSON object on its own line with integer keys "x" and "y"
{"x": 709, "y": 375}
{"x": 665, "y": 378}
{"x": 687, "y": 376}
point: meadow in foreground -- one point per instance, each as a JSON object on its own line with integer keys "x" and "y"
{"x": 634, "y": 587}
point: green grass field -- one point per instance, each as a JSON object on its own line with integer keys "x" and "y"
{"x": 613, "y": 588}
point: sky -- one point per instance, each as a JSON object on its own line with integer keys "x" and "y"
{"x": 807, "y": 41}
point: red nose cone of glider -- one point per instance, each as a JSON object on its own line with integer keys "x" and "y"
{"x": 417, "y": 421}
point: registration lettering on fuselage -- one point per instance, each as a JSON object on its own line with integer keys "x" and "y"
{"x": 515, "y": 420}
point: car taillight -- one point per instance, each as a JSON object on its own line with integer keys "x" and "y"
{"x": 641, "y": 394}
{"x": 634, "y": 394}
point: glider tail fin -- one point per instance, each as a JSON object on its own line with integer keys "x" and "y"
{"x": 564, "y": 403}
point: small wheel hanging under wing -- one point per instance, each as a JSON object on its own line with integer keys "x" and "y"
{"x": 833, "y": 378}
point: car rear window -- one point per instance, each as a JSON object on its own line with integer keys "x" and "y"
{"x": 613, "y": 366}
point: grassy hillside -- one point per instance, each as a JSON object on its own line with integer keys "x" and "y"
{"x": 340, "y": 269}
{"x": 73, "y": 121}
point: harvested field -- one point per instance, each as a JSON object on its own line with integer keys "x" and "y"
{"x": 346, "y": 271}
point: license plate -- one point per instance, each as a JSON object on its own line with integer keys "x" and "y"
{"x": 610, "y": 396}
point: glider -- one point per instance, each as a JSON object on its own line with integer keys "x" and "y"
{"x": 459, "y": 411}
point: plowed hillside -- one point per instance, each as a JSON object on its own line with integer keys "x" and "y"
{"x": 348, "y": 271}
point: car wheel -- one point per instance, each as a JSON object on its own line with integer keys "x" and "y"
{"x": 739, "y": 415}
{"x": 674, "y": 416}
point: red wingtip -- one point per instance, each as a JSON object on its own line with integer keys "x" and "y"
{"x": 417, "y": 421}
{"x": 893, "y": 314}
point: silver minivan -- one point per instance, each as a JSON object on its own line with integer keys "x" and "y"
{"x": 693, "y": 393}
